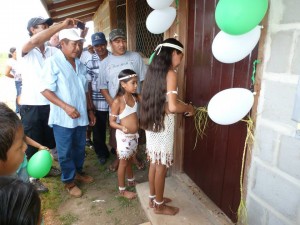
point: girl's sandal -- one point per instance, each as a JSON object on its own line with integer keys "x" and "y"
{"x": 152, "y": 197}
{"x": 131, "y": 182}
{"x": 126, "y": 194}
{"x": 162, "y": 208}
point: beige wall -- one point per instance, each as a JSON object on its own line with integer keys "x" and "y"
{"x": 102, "y": 18}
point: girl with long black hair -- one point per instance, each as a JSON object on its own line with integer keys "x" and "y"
{"x": 157, "y": 116}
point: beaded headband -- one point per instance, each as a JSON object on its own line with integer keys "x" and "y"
{"x": 129, "y": 76}
{"x": 167, "y": 45}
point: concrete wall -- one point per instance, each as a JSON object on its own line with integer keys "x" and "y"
{"x": 273, "y": 192}
{"x": 102, "y": 19}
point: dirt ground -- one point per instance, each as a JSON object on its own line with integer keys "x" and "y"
{"x": 100, "y": 203}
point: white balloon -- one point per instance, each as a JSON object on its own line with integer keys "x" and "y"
{"x": 159, "y": 4}
{"x": 228, "y": 48}
{"x": 160, "y": 20}
{"x": 230, "y": 105}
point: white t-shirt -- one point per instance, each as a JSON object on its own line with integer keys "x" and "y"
{"x": 112, "y": 65}
{"x": 31, "y": 69}
{"x": 14, "y": 69}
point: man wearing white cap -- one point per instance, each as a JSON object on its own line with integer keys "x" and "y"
{"x": 35, "y": 107}
{"x": 64, "y": 84}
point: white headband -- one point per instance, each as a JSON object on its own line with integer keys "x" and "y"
{"x": 167, "y": 45}
{"x": 129, "y": 76}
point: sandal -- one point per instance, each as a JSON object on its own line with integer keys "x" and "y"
{"x": 162, "y": 208}
{"x": 126, "y": 194}
{"x": 152, "y": 198}
{"x": 73, "y": 190}
{"x": 131, "y": 182}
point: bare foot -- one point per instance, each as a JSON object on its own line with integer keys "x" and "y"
{"x": 128, "y": 194}
{"x": 166, "y": 210}
{"x": 151, "y": 203}
{"x": 114, "y": 166}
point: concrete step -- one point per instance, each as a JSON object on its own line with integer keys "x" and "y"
{"x": 195, "y": 207}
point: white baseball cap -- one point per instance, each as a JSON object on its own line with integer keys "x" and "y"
{"x": 70, "y": 34}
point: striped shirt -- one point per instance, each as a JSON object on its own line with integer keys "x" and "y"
{"x": 92, "y": 65}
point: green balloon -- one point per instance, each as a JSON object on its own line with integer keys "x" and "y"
{"x": 238, "y": 17}
{"x": 39, "y": 164}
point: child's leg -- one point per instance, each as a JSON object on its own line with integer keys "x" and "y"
{"x": 159, "y": 183}
{"x": 129, "y": 173}
{"x": 121, "y": 172}
{"x": 123, "y": 164}
{"x": 151, "y": 178}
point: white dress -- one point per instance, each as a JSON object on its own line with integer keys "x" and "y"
{"x": 159, "y": 145}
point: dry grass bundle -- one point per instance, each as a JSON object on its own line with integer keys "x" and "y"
{"x": 242, "y": 210}
{"x": 200, "y": 120}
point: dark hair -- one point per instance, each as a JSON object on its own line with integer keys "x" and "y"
{"x": 9, "y": 124}
{"x": 124, "y": 73}
{"x": 152, "y": 110}
{"x": 11, "y": 52}
{"x": 30, "y": 32}
{"x": 20, "y": 202}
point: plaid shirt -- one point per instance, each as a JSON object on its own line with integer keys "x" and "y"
{"x": 92, "y": 66}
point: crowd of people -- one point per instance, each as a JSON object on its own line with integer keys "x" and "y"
{"x": 68, "y": 98}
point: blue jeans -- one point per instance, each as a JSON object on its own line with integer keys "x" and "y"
{"x": 70, "y": 144}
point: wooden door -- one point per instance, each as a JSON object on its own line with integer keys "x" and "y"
{"x": 215, "y": 164}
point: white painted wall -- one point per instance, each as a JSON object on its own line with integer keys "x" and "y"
{"x": 273, "y": 192}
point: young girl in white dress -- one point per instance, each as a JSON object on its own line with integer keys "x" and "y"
{"x": 124, "y": 119}
{"x": 157, "y": 116}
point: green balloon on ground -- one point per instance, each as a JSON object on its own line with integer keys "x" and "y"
{"x": 39, "y": 164}
{"x": 238, "y": 17}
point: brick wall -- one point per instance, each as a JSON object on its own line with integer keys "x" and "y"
{"x": 102, "y": 19}
{"x": 273, "y": 192}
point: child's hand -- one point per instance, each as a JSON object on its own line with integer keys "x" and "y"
{"x": 124, "y": 129}
{"x": 43, "y": 148}
{"x": 191, "y": 111}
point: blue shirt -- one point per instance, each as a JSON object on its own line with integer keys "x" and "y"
{"x": 69, "y": 85}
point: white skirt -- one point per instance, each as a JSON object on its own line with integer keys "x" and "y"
{"x": 126, "y": 144}
{"x": 159, "y": 145}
